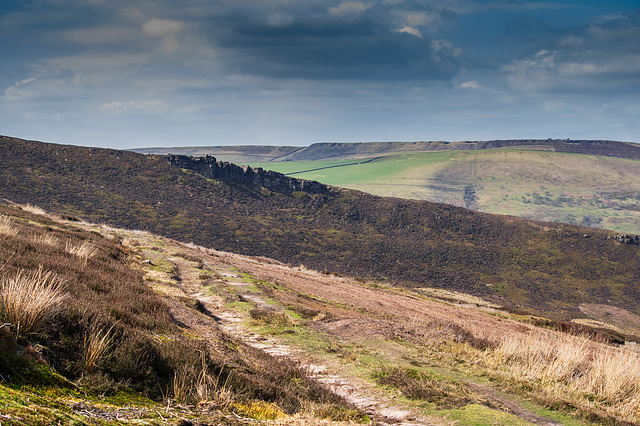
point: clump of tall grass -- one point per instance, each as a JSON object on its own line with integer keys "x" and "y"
{"x": 96, "y": 343}
{"x": 47, "y": 239}
{"x": 579, "y": 371}
{"x": 33, "y": 209}
{"x": 84, "y": 251}
{"x": 29, "y": 300}
{"x": 199, "y": 385}
{"x": 7, "y": 226}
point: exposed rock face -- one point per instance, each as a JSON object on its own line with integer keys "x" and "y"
{"x": 209, "y": 167}
{"x": 629, "y": 239}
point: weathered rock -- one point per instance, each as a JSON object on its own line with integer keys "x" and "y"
{"x": 629, "y": 239}
{"x": 210, "y": 168}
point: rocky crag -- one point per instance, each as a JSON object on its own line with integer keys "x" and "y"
{"x": 210, "y": 168}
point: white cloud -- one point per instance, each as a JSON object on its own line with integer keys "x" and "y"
{"x": 100, "y": 35}
{"x": 39, "y": 90}
{"x": 444, "y": 48}
{"x": 410, "y": 30}
{"x": 532, "y": 74}
{"x": 471, "y": 85}
{"x": 100, "y": 62}
{"x": 162, "y": 27}
{"x": 430, "y": 22}
{"x": 554, "y": 106}
{"x": 349, "y": 8}
{"x": 571, "y": 40}
{"x": 555, "y": 70}
{"x": 418, "y": 18}
{"x": 621, "y": 65}
{"x": 150, "y": 107}
{"x": 16, "y": 91}
{"x": 280, "y": 19}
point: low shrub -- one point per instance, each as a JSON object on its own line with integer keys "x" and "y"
{"x": 418, "y": 385}
{"x": 272, "y": 317}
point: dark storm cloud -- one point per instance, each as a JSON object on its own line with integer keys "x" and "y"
{"x": 150, "y": 72}
{"x": 602, "y": 57}
{"x": 349, "y": 40}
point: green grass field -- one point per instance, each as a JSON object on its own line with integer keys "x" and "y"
{"x": 581, "y": 189}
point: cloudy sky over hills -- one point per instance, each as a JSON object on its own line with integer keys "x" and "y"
{"x": 136, "y": 73}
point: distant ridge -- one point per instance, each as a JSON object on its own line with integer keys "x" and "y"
{"x": 354, "y": 150}
{"x": 232, "y": 154}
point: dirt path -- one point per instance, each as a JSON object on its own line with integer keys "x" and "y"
{"x": 375, "y": 304}
{"x": 358, "y": 393}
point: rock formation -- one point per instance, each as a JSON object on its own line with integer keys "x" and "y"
{"x": 210, "y": 168}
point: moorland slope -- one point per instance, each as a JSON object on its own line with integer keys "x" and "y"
{"x": 582, "y": 182}
{"x": 149, "y": 330}
{"x": 582, "y": 189}
{"x": 542, "y": 267}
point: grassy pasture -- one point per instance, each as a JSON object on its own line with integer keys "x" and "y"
{"x": 581, "y": 189}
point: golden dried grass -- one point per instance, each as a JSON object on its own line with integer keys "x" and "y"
{"x": 29, "y": 300}
{"x": 200, "y": 386}
{"x": 84, "y": 251}
{"x": 7, "y": 226}
{"x": 580, "y": 371}
{"x": 47, "y": 239}
{"x": 33, "y": 209}
{"x": 96, "y": 343}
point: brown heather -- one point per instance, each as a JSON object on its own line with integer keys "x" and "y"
{"x": 546, "y": 268}
{"x": 113, "y": 333}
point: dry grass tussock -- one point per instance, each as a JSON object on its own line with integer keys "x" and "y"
{"x": 47, "y": 239}
{"x": 96, "y": 343}
{"x": 84, "y": 251}
{"x": 29, "y": 300}
{"x": 200, "y": 386}
{"x": 7, "y": 226}
{"x": 574, "y": 370}
{"x": 33, "y": 209}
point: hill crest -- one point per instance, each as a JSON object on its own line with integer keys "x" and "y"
{"x": 357, "y": 150}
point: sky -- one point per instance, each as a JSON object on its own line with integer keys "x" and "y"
{"x": 151, "y": 73}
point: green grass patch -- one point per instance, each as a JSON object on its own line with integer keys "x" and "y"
{"x": 480, "y": 415}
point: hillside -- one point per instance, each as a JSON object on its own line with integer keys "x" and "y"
{"x": 149, "y": 330}
{"x": 540, "y": 267}
{"x": 588, "y": 183}
{"x": 582, "y": 189}
{"x": 124, "y": 342}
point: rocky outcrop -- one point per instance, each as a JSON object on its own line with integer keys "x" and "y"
{"x": 629, "y": 239}
{"x": 210, "y": 168}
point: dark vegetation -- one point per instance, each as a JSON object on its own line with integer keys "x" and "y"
{"x": 147, "y": 351}
{"x": 544, "y": 268}
{"x": 418, "y": 385}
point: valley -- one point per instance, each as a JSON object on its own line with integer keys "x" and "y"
{"x": 588, "y": 183}
{"x": 201, "y": 292}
